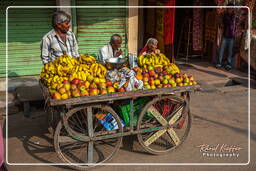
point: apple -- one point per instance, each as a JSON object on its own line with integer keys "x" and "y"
{"x": 151, "y": 79}
{"x": 186, "y": 80}
{"x": 62, "y": 90}
{"x": 75, "y": 93}
{"x": 81, "y": 86}
{"x": 157, "y": 82}
{"x": 111, "y": 89}
{"x": 177, "y": 75}
{"x": 66, "y": 85}
{"x": 96, "y": 80}
{"x": 191, "y": 78}
{"x": 104, "y": 91}
{"x": 194, "y": 83}
{"x": 185, "y": 76}
{"x": 159, "y": 86}
{"x": 151, "y": 83}
{"x": 93, "y": 85}
{"x": 165, "y": 86}
{"x": 158, "y": 69}
{"x": 180, "y": 84}
{"x": 150, "y": 67}
{"x": 153, "y": 87}
{"x": 75, "y": 81}
{"x": 109, "y": 83}
{"x": 156, "y": 76}
{"x": 146, "y": 75}
{"x": 94, "y": 92}
{"x": 65, "y": 82}
{"x": 167, "y": 77}
{"x": 145, "y": 79}
{"x": 151, "y": 73}
{"x": 165, "y": 81}
{"x": 64, "y": 96}
{"x": 87, "y": 84}
{"x": 185, "y": 84}
{"x": 169, "y": 85}
{"x": 190, "y": 83}
{"x": 69, "y": 93}
{"x": 56, "y": 95}
{"x": 102, "y": 86}
{"x": 161, "y": 78}
{"x": 170, "y": 75}
{"x": 84, "y": 93}
{"x": 147, "y": 86}
{"x": 73, "y": 87}
{"x": 171, "y": 81}
{"x": 178, "y": 80}
{"x": 122, "y": 89}
{"x": 174, "y": 84}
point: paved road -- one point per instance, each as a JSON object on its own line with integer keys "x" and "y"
{"x": 220, "y": 117}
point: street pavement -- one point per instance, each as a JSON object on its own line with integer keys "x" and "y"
{"x": 220, "y": 116}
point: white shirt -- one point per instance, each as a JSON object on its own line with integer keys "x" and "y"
{"x": 106, "y": 52}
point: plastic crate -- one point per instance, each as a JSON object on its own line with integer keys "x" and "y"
{"x": 124, "y": 110}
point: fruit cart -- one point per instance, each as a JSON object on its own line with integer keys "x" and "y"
{"x": 89, "y": 131}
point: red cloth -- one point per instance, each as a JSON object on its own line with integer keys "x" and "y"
{"x": 143, "y": 50}
{"x": 169, "y": 20}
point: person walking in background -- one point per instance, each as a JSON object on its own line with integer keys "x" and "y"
{"x": 229, "y": 20}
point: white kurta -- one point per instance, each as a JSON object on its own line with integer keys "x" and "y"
{"x": 106, "y": 52}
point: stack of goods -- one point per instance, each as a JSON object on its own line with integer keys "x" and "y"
{"x": 68, "y": 77}
{"x": 156, "y": 71}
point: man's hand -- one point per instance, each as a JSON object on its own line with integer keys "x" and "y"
{"x": 118, "y": 53}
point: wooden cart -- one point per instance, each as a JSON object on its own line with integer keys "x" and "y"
{"x": 82, "y": 140}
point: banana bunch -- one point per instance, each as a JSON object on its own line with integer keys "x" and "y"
{"x": 82, "y": 75}
{"x": 98, "y": 70}
{"x": 86, "y": 59}
{"x": 156, "y": 60}
{"x": 175, "y": 67}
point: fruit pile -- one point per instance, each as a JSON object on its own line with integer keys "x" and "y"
{"x": 151, "y": 61}
{"x": 68, "y": 77}
{"x": 156, "y": 71}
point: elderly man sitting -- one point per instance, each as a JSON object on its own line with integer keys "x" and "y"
{"x": 111, "y": 50}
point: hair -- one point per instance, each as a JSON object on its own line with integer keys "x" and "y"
{"x": 151, "y": 41}
{"x": 115, "y": 37}
{"x": 60, "y": 17}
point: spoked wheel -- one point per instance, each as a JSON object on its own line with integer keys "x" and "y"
{"x": 172, "y": 114}
{"x": 83, "y": 140}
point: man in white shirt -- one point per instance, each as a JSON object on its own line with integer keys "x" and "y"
{"x": 111, "y": 50}
{"x": 59, "y": 40}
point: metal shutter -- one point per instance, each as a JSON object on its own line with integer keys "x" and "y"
{"x": 26, "y": 27}
{"x": 96, "y": 25}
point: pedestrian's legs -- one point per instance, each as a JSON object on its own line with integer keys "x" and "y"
{"x": 230, "y": 52}
{"x": 222, "y": 49}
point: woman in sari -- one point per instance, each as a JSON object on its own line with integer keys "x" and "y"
{"x": 150, "y": 47}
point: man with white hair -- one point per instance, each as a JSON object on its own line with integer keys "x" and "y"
{"x": 59, "y": 41}
{"x": 111, "y": 50}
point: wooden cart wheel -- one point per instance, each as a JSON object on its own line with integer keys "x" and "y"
{"x": 74, "y": 138}
{"x": 170, "y": 111}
